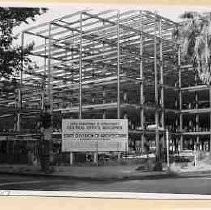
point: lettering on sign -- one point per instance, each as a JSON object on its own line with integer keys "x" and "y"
{"x": 95, "y": 134}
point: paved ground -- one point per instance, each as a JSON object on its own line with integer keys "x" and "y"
{"x": 197, "y": 185}
{"x": 92, "y": 172}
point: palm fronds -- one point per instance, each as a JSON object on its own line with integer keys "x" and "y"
{"x": 194, "y": 37}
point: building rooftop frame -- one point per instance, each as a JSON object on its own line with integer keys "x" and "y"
{"x": 108, "y": 39}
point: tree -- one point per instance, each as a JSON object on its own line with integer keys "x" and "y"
{"x": 194, "y": 35}
{"x": 45, "y": 151}
{"x": 10, "y": 55}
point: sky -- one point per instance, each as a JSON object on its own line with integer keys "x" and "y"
{"x": 59, "y": 10}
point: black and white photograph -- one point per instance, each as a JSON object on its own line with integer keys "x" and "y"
{"x": 100, "y": 100}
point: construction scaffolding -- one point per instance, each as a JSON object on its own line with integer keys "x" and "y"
{"x": 114, "y": 64}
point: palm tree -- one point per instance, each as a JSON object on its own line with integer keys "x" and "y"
{"x": 194, "y": 35}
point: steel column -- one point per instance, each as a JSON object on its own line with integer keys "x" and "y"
{"x": 118, "y": 68}
{"x": 104, "y": 91}
{"x": 80, "y": 70}
{"x": 141, "y": 84}
{"x": 43, "y": 95}
{"x": 161, "y": 82}
{"x": 156, "y": 94}
{"x": 161, "y": 75}
{"x": 50, "y": 73}
{"x": 104, "y": 101}
{"x": 180, "y": 98}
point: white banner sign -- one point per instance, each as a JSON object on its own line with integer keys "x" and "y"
{"x": 94, "y": 135}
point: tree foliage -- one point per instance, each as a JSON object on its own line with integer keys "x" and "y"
{"x": 194, "y": 35}
{"x": 10, "y": 55}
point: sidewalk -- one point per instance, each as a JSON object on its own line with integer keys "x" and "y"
{"x": 201, "y": 169}
{"x": 99, "y": 173}
{"x": 85, "y": 173}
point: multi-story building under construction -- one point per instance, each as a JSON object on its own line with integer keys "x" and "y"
{"x": 115, "y": 65}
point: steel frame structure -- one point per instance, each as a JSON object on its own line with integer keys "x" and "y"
{"x": 111, "y": 64}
